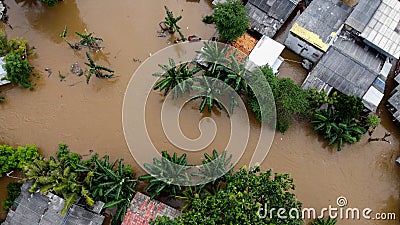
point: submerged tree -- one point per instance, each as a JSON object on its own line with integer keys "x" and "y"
{"x": 172, "y": 23}
{"x": 97, "y": 70}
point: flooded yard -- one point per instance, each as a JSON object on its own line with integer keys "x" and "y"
{"x": 90, "y": 116}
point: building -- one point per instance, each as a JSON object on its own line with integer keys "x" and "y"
{"x": 394, "y": 101}
{"x": 143, "y": 210}
{"x": 352, "y": 68}
{"x": 377, "y": 22}
{"x": 38, "y": 209}
{"x": 267, "y": 52}
{"x": 268, "y": 16}
{"x": 317, "y": 28}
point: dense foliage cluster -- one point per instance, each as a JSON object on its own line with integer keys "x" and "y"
{"x": 337, "y": 118}
{"x": 17, "y": 66}
{"x": 12, "y": 159}
{"x": 322, "y": 221}
{"x": 70, "y": 177}
{"x": 240, "y": 200}
{"x": 230, "y": 19}
{"x": 13, "y": 191}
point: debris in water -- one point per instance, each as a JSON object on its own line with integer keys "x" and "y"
{"x": 76, "y": 69}
{"x": 137, "y": 60}
{"x": 48, "y": 71}
{"x": 61, "y": 76}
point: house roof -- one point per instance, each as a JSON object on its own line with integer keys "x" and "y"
{"x": 350, "y": 68}
{"x": 321, "y": 20}
{"x": 394, "y": 100}
{"x": 268, "y": 16}
{"x": 362, "y": 14}
{"x": 143, "y": 210}
{"x": 383, "y": 30}
{"x": 266, "y": 52}
{"x": 38, "y": 209}
{"x": 245, "y": 43}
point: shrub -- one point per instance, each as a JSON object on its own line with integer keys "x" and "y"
{"x": 13, "y": 191}
{"x": 373, "y": 121}
{"x": 18, "y": 70}
{"x": 11, "y": 159}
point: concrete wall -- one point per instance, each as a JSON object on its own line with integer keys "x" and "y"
{"x": 302, "y": 48}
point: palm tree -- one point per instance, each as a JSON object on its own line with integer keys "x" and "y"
{"x": 171, "y": 23}
{"x": 179, "y": 76}
{"x": 213, "y": 56}
{"x": 236, "y": 73}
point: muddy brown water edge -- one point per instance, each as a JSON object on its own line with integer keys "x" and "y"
{"x": 89, "y": 116}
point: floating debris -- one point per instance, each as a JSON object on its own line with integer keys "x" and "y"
{"x": 48, "y": 71}
{"x": 76, "y": 69}
{"x": 137, "y": 60}
{"x": 61, "y": 76}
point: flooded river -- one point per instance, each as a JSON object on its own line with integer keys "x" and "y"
{"x": 89, "y": 116}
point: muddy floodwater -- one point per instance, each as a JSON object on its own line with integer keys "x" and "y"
{"x": 90, "y": 116}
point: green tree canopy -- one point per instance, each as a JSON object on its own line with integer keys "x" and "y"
{"x": 246, "y": 192}
{"x": 231, "y": 20}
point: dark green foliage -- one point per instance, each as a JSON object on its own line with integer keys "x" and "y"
{"x": 348, "y": 107}
{"x": 163, "y": 173}
{"x": 245, "y": 193}
{"x": 334, "y": 128}
{"x": 111, "y": 182}
{"x": 179, "y": 76}
{"x": 208, "y": 19}
{"x": 97, "y": 70}
{"x": 87, "y": 40}
{"x": 18, "y": 70}
{"x": 210, "y": 91}
{"x": 58, "y": 175}
{"x": 214, "y": 56}
{"x": 172, "y": 22}
{"x": 289, "y": 98}
{"x": 13, "y": 191}
{"x": 322, "y": 221}
{"x": 11, "y": 159}
{"x": 50, "y": 3}
{"x": 231, "y": 20}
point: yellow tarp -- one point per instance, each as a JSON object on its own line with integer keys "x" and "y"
{"x": 310, "y": 37}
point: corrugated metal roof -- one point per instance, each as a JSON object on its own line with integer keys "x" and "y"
{"x": 394, "y": 100}
{"x": 382, "y": 30}
{"x": 321, "y": 20}
{"x": 348, "y": 67}
{"x": 268, "y": 16}
{"x": 362, "y": 14}
{"x": 38, "y": 209}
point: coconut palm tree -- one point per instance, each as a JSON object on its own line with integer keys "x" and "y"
{"x": 179, "y": 76}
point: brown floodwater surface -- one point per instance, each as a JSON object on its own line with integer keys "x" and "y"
{"x": 90, "y": 116}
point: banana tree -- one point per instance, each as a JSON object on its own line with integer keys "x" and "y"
{"x": 210, "y": 91}
{"x": 213, "y": 56}
{"x": 113, "y": 183}
{"x": 171, "y": 23}
{"x": 89, "y": 41}
{"x": 97, "y": 70}
{"x": 165, "y": 174}
{"x": 175, "y": 77}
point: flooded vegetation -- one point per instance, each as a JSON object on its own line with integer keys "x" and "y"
{"x": 63, "y": 108}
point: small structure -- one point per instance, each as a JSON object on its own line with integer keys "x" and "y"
{"x": 394, "y": 101}
{"x": 378, "y": 24}
{"x": 267, "y": 52}
{"x": 143, "y": 210}
{"x": 268, "y": 16}
{"x": 317, "y": 28}
{"x": 38, "y": 209}
{"x": 352, "y": 68}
